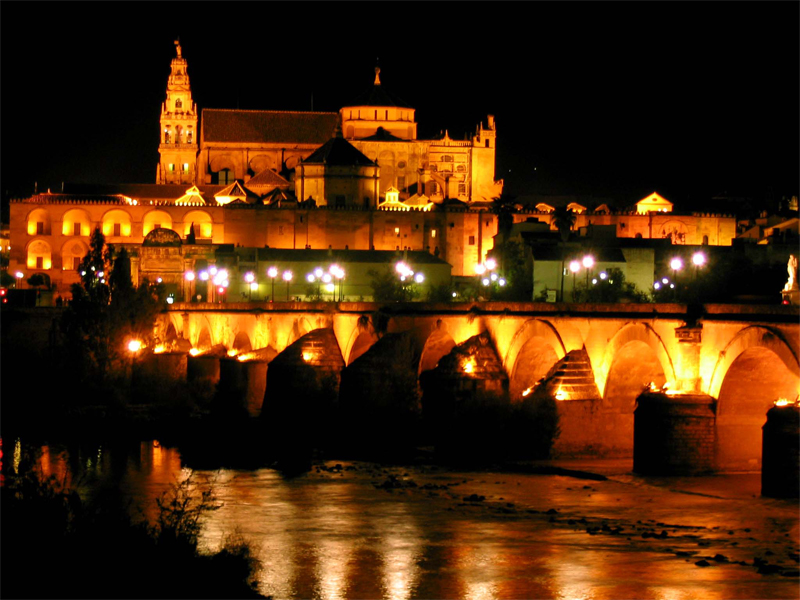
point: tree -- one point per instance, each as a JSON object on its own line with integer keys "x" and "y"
{"x": 564, "y": 220}
{"x": 504, "y": 207}
{"x": 36, "y": 280}
{"x": 106, "y": 312}
{"x": 387, "y": 287}
{"x": 611, "y": 288}
{"x": 518, "y": 274}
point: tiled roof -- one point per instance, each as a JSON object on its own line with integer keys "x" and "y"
{"x": 264, "y": 126}
{"x": 279, "y": 196}
{"x": 381, "y": 135}
{"x": 338, "y": 152}
{"x": 74, "y": 198}
{"x": 267, "y": 178}
{"x": 148, "y": 191}
{"x": 530, "y": 201}
{"x": 378, "y": 96}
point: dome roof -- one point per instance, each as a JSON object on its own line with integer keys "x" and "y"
{"x": 378, "y": 96}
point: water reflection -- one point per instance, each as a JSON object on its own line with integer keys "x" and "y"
{"x": 333, "y": 535}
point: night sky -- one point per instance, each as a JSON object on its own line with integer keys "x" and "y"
{"x": 607, "y": 100}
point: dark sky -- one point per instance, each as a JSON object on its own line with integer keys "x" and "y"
{"x": 615, "y": 100}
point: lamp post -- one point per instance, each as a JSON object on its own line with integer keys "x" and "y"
{"x": 338, "y": 273}
{"x": 318, "y": 273}
{"x": 588, "y": 263}
{"x": 250, "y": 278}
{"x": 189, "y": 277}
{"x": 19, "y": 275}
{"x": 676, "y": 264}
{"x": 698, "y": 260}
{"x": 287, "y": 277}
{"x": 272, "y": 273}
{"x": 574, "y": 267}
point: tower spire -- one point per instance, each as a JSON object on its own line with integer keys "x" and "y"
{"x": 178, "y": 147}
{"x": 378, "y": 76}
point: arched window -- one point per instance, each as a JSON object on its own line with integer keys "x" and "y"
{"x": 155, "y": 219}
{"x": 39, "y": 222}
{"x": 203, "y": 225}
{"x": 116, "y": 223}
{"x": 178, "y": 134}
{"x": 72, "y": 254}
{"x": 166, "y": 136}
{"x": 39, "y": 256}
{"x": 189, "y": 136}
{"x": 76, "y": 222}
{"x": 178, "y": 104}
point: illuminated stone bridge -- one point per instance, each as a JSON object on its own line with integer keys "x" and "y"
{"x": 598, "y": 357}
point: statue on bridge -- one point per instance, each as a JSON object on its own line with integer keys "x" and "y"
{"x": 792, "y": 268}
{"x": 791, "y": 291}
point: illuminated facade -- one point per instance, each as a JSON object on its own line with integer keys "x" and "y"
{"x": 359, "y": 179}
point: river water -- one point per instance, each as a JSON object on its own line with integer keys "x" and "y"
{"x": 363, "y": 530}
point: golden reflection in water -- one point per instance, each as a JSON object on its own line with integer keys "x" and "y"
{"x": 477, "y": 557}
{"x": 331, "y": 573}
{"x": 333, "y": 508}
{"x": 278, "y": 553}
{"x": 17, "y": 455}
{"x": 402, "y": 545}
{"x": 575, "y": 567}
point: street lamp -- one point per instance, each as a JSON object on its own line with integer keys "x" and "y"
{"x": 574, "y": 267}
{"x": 676, "y": 264}
{"x": 19, "y": 275}
{"x": 287, "y": 277}
{"x": 588, "y": 263}
{"x": 337, "y": 272}
{"x": 329, "y": 287}
{"x": 698, "y": 260}
{"x": 272, "y": 273}
{"x": 250, "y": 278}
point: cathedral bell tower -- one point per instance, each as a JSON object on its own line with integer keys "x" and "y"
{"x": 178, "y": 148}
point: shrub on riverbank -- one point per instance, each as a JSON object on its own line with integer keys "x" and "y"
{"x": 57, "y": 545}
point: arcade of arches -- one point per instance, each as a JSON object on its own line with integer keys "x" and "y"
{"x": 612, "y": 358}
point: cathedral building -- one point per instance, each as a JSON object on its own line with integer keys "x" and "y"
{"x": 356, "y": 180}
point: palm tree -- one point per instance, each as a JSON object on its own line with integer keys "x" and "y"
{"x": 564, "y": 220}
{"x": 504, "y": 207}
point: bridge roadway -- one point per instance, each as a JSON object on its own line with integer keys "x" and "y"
{"x": 745, "y": 356}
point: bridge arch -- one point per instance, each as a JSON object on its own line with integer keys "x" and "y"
{"x": 635, "y": 356}
{"x": 204, "y": 339}
{"x": 628, "y": 334}
{"x": 170, "y": 333}
{"x": 300, "y": 327}
{"x": 756, "y": 368}
{"x": 241, "y": 343}
{"x": 360, "y": 340}
{"x": 438, "y": 344}
{"x": 754, "y": 336}
{"x": 535, "y": 347}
